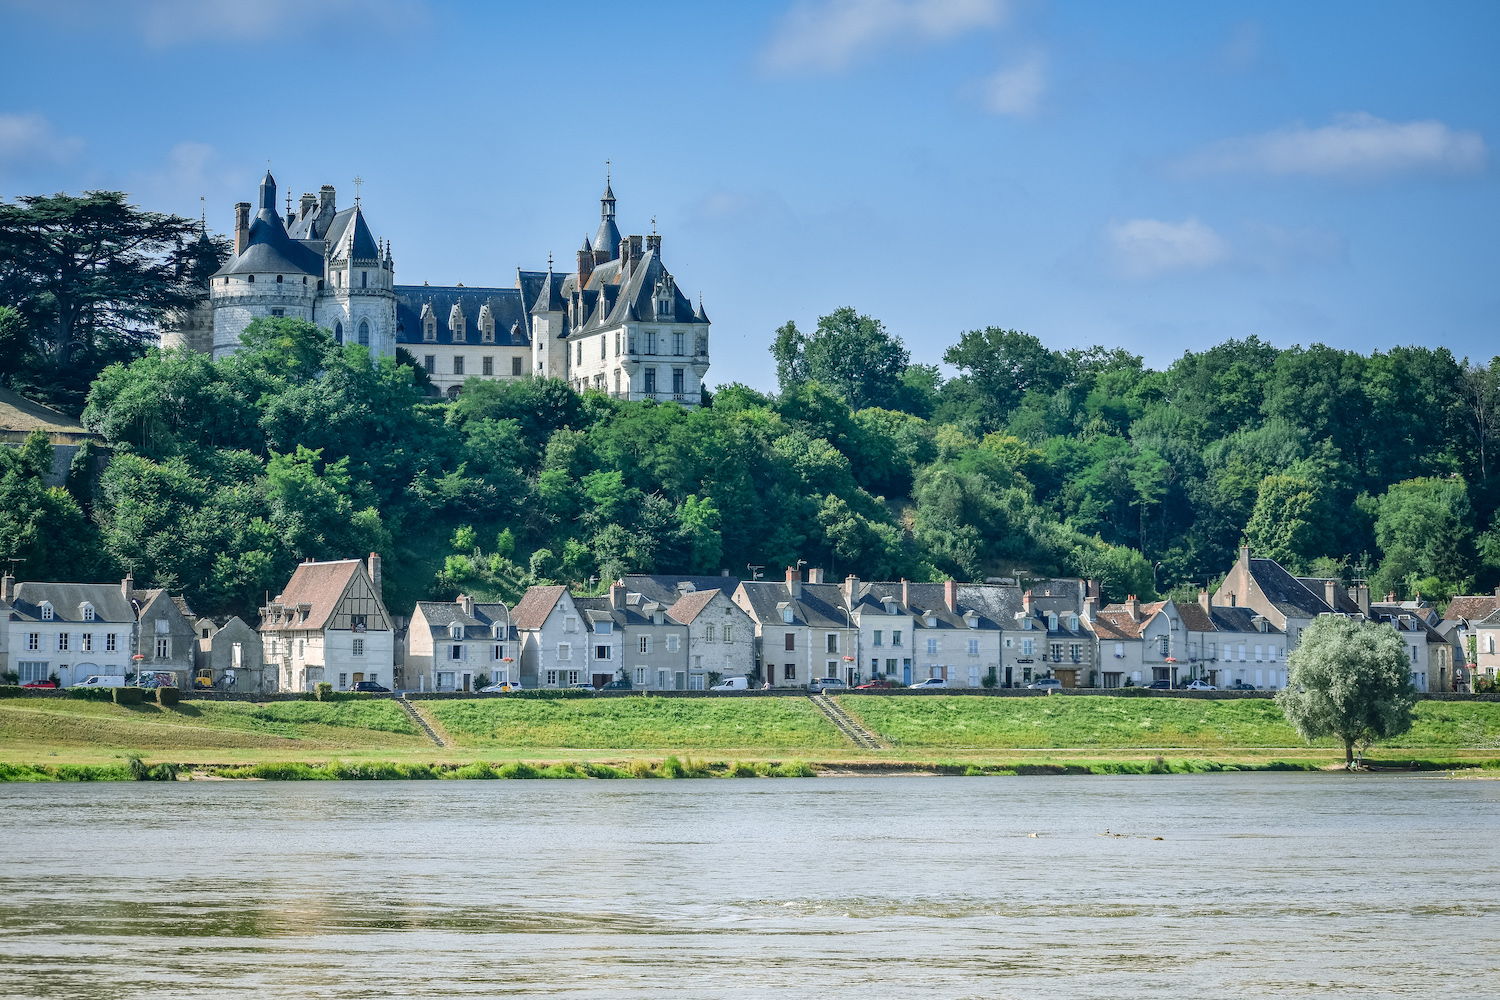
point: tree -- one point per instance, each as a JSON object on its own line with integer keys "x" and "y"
{"x": 1350, "y": 680}
{"x": 92, "y": 275}
{"x": 1290, "y": 521}
{"x": 850, "y": 354}
{"x": 1004, "y": 365}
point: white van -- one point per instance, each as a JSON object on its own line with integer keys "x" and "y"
{"x": 102, "y": 681}
{"x": 732, "y": 684}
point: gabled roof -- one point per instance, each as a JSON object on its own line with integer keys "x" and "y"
{"x": 1285, "y": 593}
{"x": 1117, "y": 620}
{"x": 532, "y": 610}
{"x": 691, "y": 605}
{"x": 107, "y": 599}
{"x": 1318, "y": 585}
{"x": 667, "y": 588}
{"x": 820, "y": 606}
{"x": 1471, "y": 608}
{"x": 319, "y": 585}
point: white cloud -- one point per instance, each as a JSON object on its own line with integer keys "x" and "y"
{"x": 1354, "y": 145}
{"x": 30, "y": 139}
{"x": 1017, "y": 89}
{"x": 827, "y": 35}
{"x": 1147, "y": 248}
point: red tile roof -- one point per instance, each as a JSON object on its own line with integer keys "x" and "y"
{"x": 690, "y": 606}
{"x": 531, "y": 611}
{"x": 1471, "y": 608}
{"x": 319, "y": 585}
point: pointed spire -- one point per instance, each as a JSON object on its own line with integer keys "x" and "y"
{"x": 587, "y": 246}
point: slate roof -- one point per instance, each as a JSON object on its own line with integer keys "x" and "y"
{"x": 1472, "y": 608}
{"x": 480, "y": 625}
{"x": 318, "y": 584}
{"x": 632, "y": 297}
{"x": 1285, "y": 593}
{"x": 512, "y": 326}
{"x": 353, "y": 240}
{"x": 997, "y": 602}
{"x": 269, "y": 248}
{"x": 820, "y": 606}
{"x": 1318, "y": 586}
{"x": 110, "y": 605}
{"x": 668, "y": 588}
{"x": 531, "y": 611}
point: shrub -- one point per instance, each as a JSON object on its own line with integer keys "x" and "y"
{"x": 990, "y": 680}
{"x": 643, "y": 769}
{"x": 162, "y": 772}
{"x": 520, "y": 769}
{"x": 603, "y": 771}
{"x": 740, "y": 769}
{"x": 12, "y": 691}
{"x": 129, "y": 695}
{"x": 478, "y": 769}
{"x": 168, "y": 696}
{"x": 793, "y": 769}
{"x": 10, "y": 677}
{"x": 91, "y": 693}
{"x": 672, "y": 768}
{"x": 24, "y": 772}
{"x": 325, "y": 691}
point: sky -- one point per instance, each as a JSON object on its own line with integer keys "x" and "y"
{"x": 1158, "y": 176}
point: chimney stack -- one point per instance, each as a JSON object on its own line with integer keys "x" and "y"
{"x": 1362, "y": 598}
{"x": 1331, "y": 593}
{"x": 617, "y": 596}
{"x": 794, "y": 583}
{"x": 1203, "y": 601}
{"x": 814, "y": 575}
{"x": 241, "y": 227}
{"x": 7, "y": 588}
{"x": 851, "y": 587}
{"x": 1026, "y": 602}
{"x": 1390, "y": 598}
{"x": 950, "y": 595}
{"x": 653, "y": 242}
{"x": 905, "y": 593}
{"x": 468, "y": 604}
{"x": 1091, "y": 608}
{"x": 127, "y": 584}
{"x": 1134, "y": 607}
{"x": 375, "y": 574}
{"x": 585, "y": 265}
{"x": 306, "y": 204}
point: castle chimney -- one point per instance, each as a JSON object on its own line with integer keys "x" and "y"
{"x": 653, "y": 242}
{"x": 794, "y": 583}
{"x": 7, "y": 588}
{"x": 950, "y": 595}
{"x": 814, "y": 575}
{"x": 624, "y": 255}
{"x": 241, "y": 227}
{"x": 617, "y": 596}
{"x": 305, "y": 204}
{"x": 375, "y": 572}
{"x": 585, "y": 264}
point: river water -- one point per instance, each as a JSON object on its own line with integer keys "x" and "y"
{"x": 1274, "y": 885}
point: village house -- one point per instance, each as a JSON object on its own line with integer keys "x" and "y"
{"x": 329, "y": 625}
{"x": 66, "y": 631}
{"x": 1460, "y": 626}
{"x": 168, "y": 641}
{"x": 232, "y": 659}
{"x": 721, "y": 636}
{"x": 804, "y": 629}
{"x": 885, "y": 629}
{"x": 456, "y": 645}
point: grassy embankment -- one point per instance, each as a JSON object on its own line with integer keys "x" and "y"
{"x": 637, "y": 735}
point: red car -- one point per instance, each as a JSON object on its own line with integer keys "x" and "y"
{"x": 40, "y": 684}
{"x": 882, "y": 683}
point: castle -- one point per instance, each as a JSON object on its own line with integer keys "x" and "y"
{"x": 618, "y": 323}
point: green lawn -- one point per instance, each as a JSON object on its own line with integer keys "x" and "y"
{"x": 627, "y": 723}
{"x": 1099, "y": 722}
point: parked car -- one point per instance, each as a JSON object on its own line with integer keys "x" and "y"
{"x": 372, "y": 686}
{"x": 1045, "y": 684}
{"x": 504, "y": 687}
{"x": 618, "y": 684}
{"x": 1198, "y": 684}
{"x": 1240, "y": 686}
{"x": 732, "y": 684}
{"x": 876, "y": 685}
{"x": 102, "y": 681}
{"x": 931, "y": 682}
{"x": 1160, "y": 685}
{"x": 580, "y": 686}
{"x": 40, "y": 684}
{"x": 826, "y": 684}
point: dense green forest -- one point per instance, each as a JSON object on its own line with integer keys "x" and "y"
{"x": 1029, "y": 459}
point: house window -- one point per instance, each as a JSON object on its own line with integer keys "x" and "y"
{"x": 604, "y": 628}
{"x": 46, "y": 612}
{"x": 1075, "y": 651}
{"x": 708, "y": 634}
{"x": 163, "y": 648}
{"x": 791, "y": 641}
{"x": 1257, "y": 653}
{"x": 88, "y": 642}
{"x": 603, "y": 653}
{"x": 564, "y": 651}
{"x": 832, "y": 642}
{"x": 789, "y": 672}
{"x": 1027, "y": 647}
{"x": 1164, "y": 643}
{"x": 1057, "y": 652}
{"x": 1242, "y": 652}
{"x": 497, "y": 652}
{"x": 895, "y": 637}
{"x": 640, "y": 672}
{"x": 878, "y": 633}
{"x": 458, "y": 364}
{"x": 358, "y": 647}
{"x": 974, "y": 647}
{"x": 832, "y": 668}
{"x": 343, "y": 681}
{"x": 932, "y": 647}
{"x": 429, "y": 361}
{"x": 62, "y": 641}
{"x": 728, "y": 632}
{"x": 456, "y": 652}
{"x": 671, "y": 644}
{"x": 786, "y": 615}
{"x": 109, "y": 642}
{"x": 487, "y": 366}
{"x": 88, "y": 612}
{"x": 552, "y": 677}
{"x": 570, "y": 624}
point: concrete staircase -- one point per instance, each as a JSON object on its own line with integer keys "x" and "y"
{"x": 422, "y": 723}
{"x": 857, "y": 734}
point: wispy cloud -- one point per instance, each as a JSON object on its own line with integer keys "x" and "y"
{"x": 1149, "y": 248}
{"x": 175, "y": 22}
{"x": 825, "y": 36}
{"x": 1355, "y": 145}
{"x": 29, "y": 140}
{"x": 1016, "y": 89}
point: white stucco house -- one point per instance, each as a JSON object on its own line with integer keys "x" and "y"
{"x": 329, "y": 624}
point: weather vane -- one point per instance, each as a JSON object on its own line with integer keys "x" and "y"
{"x": 358, "y": 180}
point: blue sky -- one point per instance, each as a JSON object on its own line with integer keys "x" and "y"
{"x": 1157, "y": 176}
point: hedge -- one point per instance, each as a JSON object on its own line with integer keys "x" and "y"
{"x": 129, "y": 696}
{"x": 167, "y": 696}
{"x": 12, "y": 691}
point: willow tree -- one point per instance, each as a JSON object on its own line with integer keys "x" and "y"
{"x": 1350, "y": 680}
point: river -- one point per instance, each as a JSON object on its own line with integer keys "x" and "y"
{"x": 1241, "y": 885}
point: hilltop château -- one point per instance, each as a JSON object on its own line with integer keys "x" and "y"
{"x": 617, "y": 323}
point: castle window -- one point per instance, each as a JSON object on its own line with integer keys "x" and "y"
{"x": 617, "y": 381}
{"x": 429, "y": 329}
{"x": 515, "y": 366}
{"x": 364, "y": 279}
{"x": 338, "y": 333}
{"x": 580, "y": 352}
{"x": 304, "y": 279}
{"x": 617, "y": 343}
{"x": 458, "y": 364}
{"x": 702, "y": 346}
{"x": 677, "y": 377}
{"x": 278, "y": 311}
{"x": 677, "y": 343}
{"x": 251, "y": 279}
{"x": 488, "y": 365}
{"x": 650, "y": 341}
{"x": 650, "y": 385}
{"x": 430, "y": 363}
{"x": 278, "y": 279}
{"x": 603, "y": 345}
{"x": 364, "y": 333}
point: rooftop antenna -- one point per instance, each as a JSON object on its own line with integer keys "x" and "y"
{"x": 358, "y": 180}
{"x": 12, "y": 560}
{"x": 755, "y": 571}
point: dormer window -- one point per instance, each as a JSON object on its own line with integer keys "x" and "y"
{"x": 88, "y": 612}
{"x": 486, "y": 324}
{"x": 456, "y": 323}
{"x": 786, "y": 615}
{"x": 47, "y": 614}
{"x": 456, "y": 630}
{"x": 604, "y": 628}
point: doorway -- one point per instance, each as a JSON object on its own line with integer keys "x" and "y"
{"x": 358, "y": 677}
{"x": 906, "y": 674}
{"x": 600, "y": 680}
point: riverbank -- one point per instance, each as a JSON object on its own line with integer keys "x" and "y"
{"x": 67, "y": 739}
